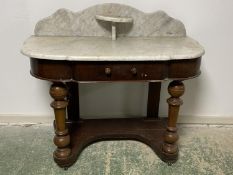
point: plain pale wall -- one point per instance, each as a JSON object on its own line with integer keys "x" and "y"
{"x": 208, "y": 21}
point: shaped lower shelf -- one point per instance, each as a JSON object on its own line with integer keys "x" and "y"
{"x": 86, "y": 132}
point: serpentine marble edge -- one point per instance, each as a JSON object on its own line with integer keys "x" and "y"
{"x": 66, "y": 35}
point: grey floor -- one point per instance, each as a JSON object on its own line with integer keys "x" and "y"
{"x": 27, "y": 150}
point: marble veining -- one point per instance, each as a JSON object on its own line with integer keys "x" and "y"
{"x": 86, "y": 36}
{"x": 67, "y": 23}
{"x": 104, "y": 49}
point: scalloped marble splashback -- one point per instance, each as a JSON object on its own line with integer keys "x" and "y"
{"x": 67, "y": 23}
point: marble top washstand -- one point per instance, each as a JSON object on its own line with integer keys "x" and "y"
{"x": 112, "y": 43}
{"x": 86, "y": 36}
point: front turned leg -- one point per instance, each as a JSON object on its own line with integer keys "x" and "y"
{"x": 169, "y": 147}
{"x": 58, "y": 92}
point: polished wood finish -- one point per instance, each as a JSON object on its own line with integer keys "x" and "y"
{"x": 86, "y": 132}
{"x": 67, "y": 71}
{"x": 118, "y": 71}
{"x": 66, "y": 75}
{"x": 170, "y": 148}
{"x": 153, "y": 99}
{"x": 58, "y": 92}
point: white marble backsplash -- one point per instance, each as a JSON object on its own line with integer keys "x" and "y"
{"x": 67, "y": 23}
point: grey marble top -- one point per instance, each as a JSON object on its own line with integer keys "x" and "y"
{"x": 104, "y": 49}
{"x": 86, "y": 36}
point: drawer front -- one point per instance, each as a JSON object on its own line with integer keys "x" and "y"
{"x": 65, "y": 71}
{"x": 99, "y": 71}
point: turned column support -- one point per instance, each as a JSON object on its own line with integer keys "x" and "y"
{"x": 58, "y": 92}
{"x": 169, "y": 147}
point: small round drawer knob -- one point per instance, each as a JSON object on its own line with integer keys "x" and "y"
{"x": 134, "y": 71}
{"x": 108, "y": 71}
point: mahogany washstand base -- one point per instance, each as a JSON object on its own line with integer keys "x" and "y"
{"x": 73, "y": 134}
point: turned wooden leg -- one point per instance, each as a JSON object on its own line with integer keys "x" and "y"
{"x": 169, "y": 147}
{"x": 58, "y": 92}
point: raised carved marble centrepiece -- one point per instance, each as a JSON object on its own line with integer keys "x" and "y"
{"x": 86, "y": 36}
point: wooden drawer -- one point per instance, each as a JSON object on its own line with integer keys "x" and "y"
{"x": 55, "y": 70}
{"x": 102, "y": 71}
